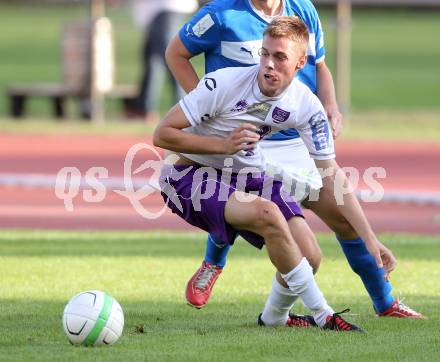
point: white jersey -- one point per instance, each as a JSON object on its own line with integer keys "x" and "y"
{"x": 229, "y": 97}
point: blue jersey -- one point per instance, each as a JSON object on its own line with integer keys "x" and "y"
{"x": 229, "y": 33}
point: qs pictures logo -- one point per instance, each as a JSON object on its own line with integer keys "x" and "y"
{"x": 95, "y": 183}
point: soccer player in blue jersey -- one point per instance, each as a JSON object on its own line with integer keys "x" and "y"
{"x": 229, "y": 34}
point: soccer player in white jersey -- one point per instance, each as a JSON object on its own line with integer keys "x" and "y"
{"x": 218, "y": 183}
{"x": 228, "y": 33}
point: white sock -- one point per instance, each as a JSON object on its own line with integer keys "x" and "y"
{"x": 278, "y": 305}
{"x": 302, "y": 283}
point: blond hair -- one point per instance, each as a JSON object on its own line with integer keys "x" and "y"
{"x": 290, "y": 27}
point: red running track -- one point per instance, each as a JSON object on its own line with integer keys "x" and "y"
{"x": 409, "y": 167}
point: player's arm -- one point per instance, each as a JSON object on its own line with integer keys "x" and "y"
{"x": 315, "y": 131}
{"x": 350, "y": 208}
{"x": 178, "y": 60}
{"x": 326, "y": 94}
{"x": 200, "y": 34}
{"x": 169, "y": 135}
{"x": 324, "y": 80}
{"x": 349, "y": 205}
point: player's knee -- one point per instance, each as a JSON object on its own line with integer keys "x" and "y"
{"x": 268, "y": 216}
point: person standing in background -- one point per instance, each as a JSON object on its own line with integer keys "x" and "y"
{"x": 160, "y": 20}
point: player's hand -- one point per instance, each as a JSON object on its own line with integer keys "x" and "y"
{"x": 388, "y": 259}
{"x": 335, "y": 119}
{"x": 374, "y": 249}
{"x": 241, "y": 138}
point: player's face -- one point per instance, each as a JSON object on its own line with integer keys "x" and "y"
{"x": 280, "y": 59}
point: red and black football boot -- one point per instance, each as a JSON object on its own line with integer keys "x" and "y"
{"x": 295, "y": 320}
{"x": 336, "y": 323}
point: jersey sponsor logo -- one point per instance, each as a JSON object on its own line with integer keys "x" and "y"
{"x": 205, "y": 117}
{"x": 320, "y": 131}
{"x": 203, "y": 25}
{"x": 244, "y": 52}
{"x": 259, "y": 110}
{"x": 280, "y": 115}
{"x": 240, "y": 106}
{"x": 263, "y": 131}
{"x": 210, "y": 83}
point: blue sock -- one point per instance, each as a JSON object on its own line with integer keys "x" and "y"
{"x": 216, "y": 251}
{"x": 364, "y": 264}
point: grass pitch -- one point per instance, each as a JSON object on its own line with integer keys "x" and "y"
{"x": 147, "y": 272}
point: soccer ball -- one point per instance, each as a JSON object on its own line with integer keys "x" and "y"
{"x": 93, "y": 318}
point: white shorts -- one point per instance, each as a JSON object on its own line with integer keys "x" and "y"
{"x": 289, "y": 161}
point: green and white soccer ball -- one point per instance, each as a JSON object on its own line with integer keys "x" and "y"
{"x": 93, "y": 318}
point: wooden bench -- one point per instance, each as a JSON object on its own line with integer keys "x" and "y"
{"x": 19, "y": 93}
{"x": 75, "y": 47}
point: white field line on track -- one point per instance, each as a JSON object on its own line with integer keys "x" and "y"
{"x": 47, "y": 181}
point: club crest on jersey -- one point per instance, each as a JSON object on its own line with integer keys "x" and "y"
{"x": 320, "y": 131}
{"x": 280, "y": 115}
{"x": 259, "y": 110}
{"x": 240, "y": 106}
